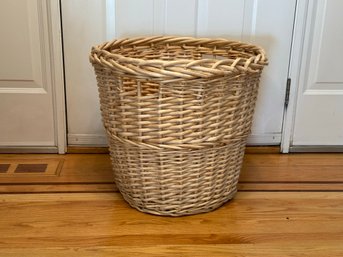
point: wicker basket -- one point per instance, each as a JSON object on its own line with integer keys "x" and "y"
{"x": 177, "y": 111}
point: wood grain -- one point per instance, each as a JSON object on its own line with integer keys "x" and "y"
{"x": 102, "y": 224}
{"x": 27, "y": 168}
{"x": 57, "y": 188}
{"x": 93, "y": 172}
{"x": 290, "y": 186}
{"x": 194, "y": 250}
{"x": 76, "y": 168}
{"x": 292, "y": 168}
{"x": 88, "y": 150}
{"x": 4, "y": 167}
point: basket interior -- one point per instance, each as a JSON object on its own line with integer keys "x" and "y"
{"x": 171, "y": 52}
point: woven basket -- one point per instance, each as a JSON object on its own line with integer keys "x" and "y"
{"x": 177, "y": 112}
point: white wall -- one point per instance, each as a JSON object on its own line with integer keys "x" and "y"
{"x": 85, "y": 23}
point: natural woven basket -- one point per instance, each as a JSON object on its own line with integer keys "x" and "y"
{"x": 177, "y": 111}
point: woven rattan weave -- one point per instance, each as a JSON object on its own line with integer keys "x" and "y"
{"x": 177, "y": 111}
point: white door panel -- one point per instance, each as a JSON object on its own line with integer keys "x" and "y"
{"x": 180, "y": 17}
{"x": 221, "y": 18}
{"x": 268, "y": 23}
{"x": 136, "y": 15}
{"x": 26, "y": 96}
{"x": 319, "y": 109}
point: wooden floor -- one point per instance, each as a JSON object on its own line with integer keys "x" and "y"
{"x": 288, "y": 205}
{"x": 102, "y": 224}
{"x": 93, "y": 173}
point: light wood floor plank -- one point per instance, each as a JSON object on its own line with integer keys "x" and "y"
{"x": 191, "y": 250}
{"x": 102, "y": 224}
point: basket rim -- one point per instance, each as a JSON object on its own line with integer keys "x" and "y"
{"x": 181, "y": 68}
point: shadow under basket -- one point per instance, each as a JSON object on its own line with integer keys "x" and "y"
{"x": 177, "y": 111}
{"x": 176, "y": 183}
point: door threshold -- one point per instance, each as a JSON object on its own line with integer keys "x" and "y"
{"x": 28, "y": 149}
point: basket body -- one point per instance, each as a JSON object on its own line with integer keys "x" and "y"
{"x": 177, "y": 112}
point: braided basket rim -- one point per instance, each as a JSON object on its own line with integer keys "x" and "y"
{"x": 180, "y": 68}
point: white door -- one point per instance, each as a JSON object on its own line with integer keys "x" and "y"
{"x": 319, "y": 106}
{"x": 267, "y": 23}
{"x": 28, "y": 74}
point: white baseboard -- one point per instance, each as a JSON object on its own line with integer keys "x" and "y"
{"x": 316, "y": 149}
{"x": 87, "y": 139}
{"x": 264, "y": 139}
{"x": 101, "y": 140}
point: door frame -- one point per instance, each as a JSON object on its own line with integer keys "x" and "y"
{"x": 57, "y": 67}
{"x": 294, "y": 73}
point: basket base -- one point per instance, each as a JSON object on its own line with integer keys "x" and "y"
{"x": 177, "y": 212}
{"x": 176, "y": 183}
